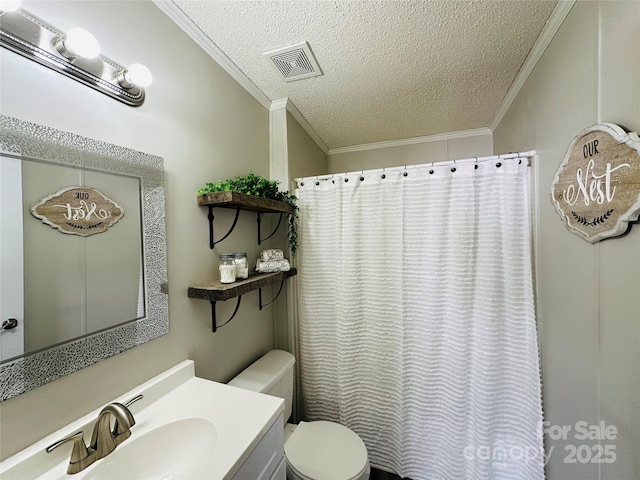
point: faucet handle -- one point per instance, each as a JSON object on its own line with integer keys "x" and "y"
{"x": 79, "y": 451}
{"x": 133, "y": 400}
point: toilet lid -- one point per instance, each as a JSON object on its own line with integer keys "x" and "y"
{"x": 326, "y": 451}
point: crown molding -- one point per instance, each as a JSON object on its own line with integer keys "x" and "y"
{"x": 295, "y": 113}
{"x": 412, "y": 141}
{"x": 178, "y": 17}
{"x": 550, "y": 29}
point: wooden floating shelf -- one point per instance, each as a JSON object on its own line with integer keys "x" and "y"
{"x": 216, "y": 291}
{"x": 244, "y": 202}
{"x": 241, "y": 201}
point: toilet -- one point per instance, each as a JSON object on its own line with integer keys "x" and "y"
{"x": 314, "y": 450}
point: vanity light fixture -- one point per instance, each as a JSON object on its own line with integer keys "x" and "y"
{"x": 75, "y": 54}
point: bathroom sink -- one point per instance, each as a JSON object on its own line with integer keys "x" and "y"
{"x": 180, "y": 449}
{"x": 185, "y": 428}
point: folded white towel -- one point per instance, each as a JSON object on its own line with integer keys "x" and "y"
{"x": 272, "y": 266}
{"x": 272, "y": 254}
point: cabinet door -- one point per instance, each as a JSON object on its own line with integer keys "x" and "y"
{"x": 281, "y": 471}
{"x": 266, "y": 457}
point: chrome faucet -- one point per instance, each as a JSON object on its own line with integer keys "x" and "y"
{"x": 104, "y": 440}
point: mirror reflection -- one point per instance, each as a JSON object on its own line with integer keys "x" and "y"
{"x": 76, "y": 271}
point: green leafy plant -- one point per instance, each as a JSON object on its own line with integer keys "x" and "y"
{"x": 253, "y": 184}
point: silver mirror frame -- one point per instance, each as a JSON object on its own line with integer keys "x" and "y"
{"x": 24, "y": 139}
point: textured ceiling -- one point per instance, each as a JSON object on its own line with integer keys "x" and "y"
{"x": 393, "y": 69}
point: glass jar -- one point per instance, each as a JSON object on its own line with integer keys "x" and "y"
{"x": 227, "y": 268}
{"x": 242, "y": 267}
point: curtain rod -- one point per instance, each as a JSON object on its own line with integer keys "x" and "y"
{"x": 504, "y": 156}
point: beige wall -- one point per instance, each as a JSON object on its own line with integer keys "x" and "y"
{"x": 588, "y": 306}
{"x": 305, "y": 157}
{"x": 206, "y": 127}
{"x": 412, "y": 154}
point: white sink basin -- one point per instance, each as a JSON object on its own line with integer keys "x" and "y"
{"x": 180, "y": 449}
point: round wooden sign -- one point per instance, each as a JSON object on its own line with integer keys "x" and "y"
{"x": 597, "y": 188}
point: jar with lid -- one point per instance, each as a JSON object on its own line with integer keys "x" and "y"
{"x": 227, "y": 268}
{"x": 242, "y": 267}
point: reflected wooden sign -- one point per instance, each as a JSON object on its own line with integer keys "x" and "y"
{"x": 80, "y": 211}
{"x": 596, "y": 191}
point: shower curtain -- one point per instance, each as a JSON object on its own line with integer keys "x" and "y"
{"x": 416, "y": 317}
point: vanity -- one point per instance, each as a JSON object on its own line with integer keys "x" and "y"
{"x": 185, "y": 427}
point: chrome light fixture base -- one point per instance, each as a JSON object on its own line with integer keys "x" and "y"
{"x": 31, "y": 37}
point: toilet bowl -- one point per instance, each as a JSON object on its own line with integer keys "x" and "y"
{"x": 314, "y": 450}
{"x": 324, "y": 450}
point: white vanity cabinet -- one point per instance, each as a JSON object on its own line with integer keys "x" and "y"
{"x": 266, "y": 461}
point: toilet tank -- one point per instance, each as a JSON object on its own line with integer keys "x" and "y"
{"x": 271, "y": 374}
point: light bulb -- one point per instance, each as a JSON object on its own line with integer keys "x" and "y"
{"x": 138, "y": 74}
{"x": 79, "y": 43}
{"x": 9, "y": 5}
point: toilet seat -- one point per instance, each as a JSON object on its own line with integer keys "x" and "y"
{"x": 326, "y": 451}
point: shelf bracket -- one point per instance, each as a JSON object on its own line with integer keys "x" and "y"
{"x": 214, "y": 325}
{"x": 260, "y": 304}
{"x": 210, "y": 217}
{"x": 260, "y": 240}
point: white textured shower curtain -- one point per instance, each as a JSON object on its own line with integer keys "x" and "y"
{"x": 416, "y": 318}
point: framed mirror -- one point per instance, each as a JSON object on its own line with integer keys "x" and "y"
{"x": 83, "y": 271}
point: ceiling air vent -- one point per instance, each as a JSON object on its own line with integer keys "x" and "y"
{"x": 294, "y": 62}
